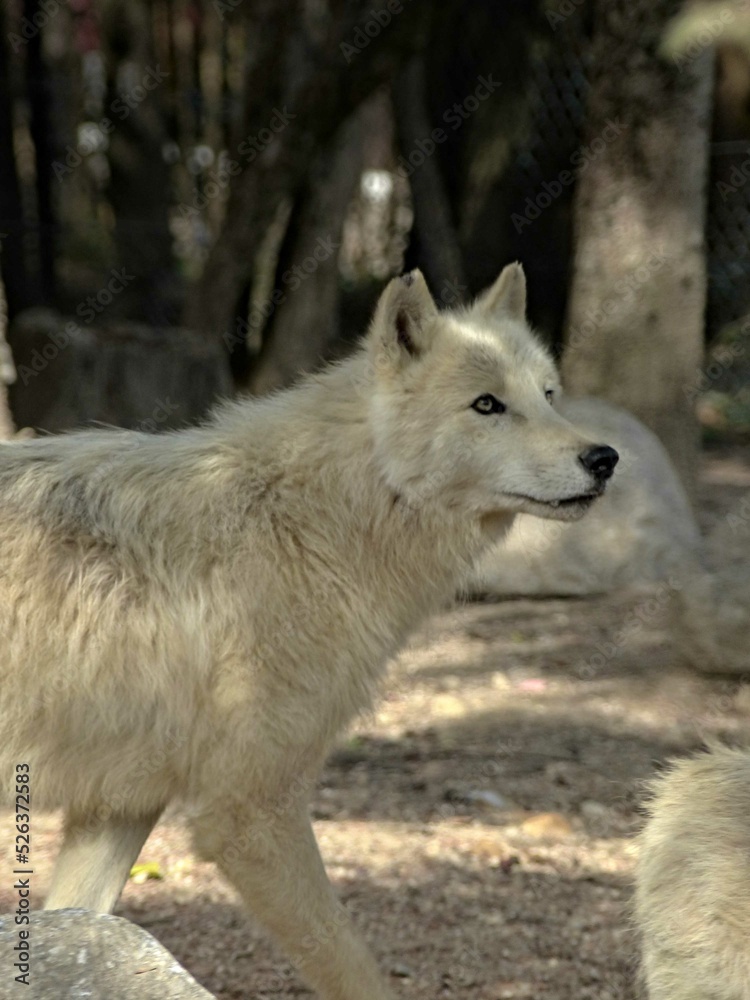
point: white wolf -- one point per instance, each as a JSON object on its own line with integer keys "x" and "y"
{"x": 194, "y": 616}
{"x": 692, "y": 902}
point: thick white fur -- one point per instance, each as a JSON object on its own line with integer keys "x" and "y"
{"x": 693, "y": 880}
{"x": 193, "y": 616}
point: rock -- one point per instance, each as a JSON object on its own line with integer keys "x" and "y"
{"x": 487, "y": 799}
{"x": 642, "y": 530}
{"x": 128, "y": 374}
{"x": 402, "y": 971}
{"x": 77, "y": 954}
{"x": 711, "y": 609}
{"x": 594, "y": 810}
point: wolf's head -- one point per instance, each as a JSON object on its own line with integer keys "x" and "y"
{"x": 463, "y": 411}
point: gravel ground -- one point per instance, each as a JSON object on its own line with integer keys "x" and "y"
{"x": 478, "y": 825}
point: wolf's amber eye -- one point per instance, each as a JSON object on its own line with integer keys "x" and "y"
{"x": 549, "y": 395}
{"x": 488, "y": 404}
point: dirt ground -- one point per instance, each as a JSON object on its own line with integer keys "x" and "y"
{"x": 479, "y": 824}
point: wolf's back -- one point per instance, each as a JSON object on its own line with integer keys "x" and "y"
{"x": 106, "y": 545}
{"x": 692, "y": 899}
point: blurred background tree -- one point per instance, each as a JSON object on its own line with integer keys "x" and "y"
{"x": 637, "y": 301}
{"x": 199, "y": 197}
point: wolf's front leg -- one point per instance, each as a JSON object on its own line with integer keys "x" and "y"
{"x": 95, "y": 859}
{"x": 276, "y": 866}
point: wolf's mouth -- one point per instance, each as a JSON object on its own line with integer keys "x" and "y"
{"x": 584, "y": 498}
{"x": 581, "y": 498}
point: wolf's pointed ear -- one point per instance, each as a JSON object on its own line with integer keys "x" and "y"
{"x": 403, "y": 324}
{"x": 507, "y": 297}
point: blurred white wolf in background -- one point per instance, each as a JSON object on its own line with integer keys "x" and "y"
{"x": 194, "y": 616}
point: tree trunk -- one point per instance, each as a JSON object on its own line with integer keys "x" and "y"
{"x": 7, "y": 430}
{"x": 7, "y": 375}
{"x": 433, "y": 243}
{"x": 334, "y": 69}
{"x": 139, "y": 189}
{"x": 304, "y": 324}
{"x": 39, "y": 84}
{"x": 636, "y": 310}
{"x": 12, "y": 256}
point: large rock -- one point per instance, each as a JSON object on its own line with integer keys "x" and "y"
{"x": 69, "y": 374}
{"x": 711, "y": 610}
{"x": 77, "y": 954}
{"x": 642, "y": 530}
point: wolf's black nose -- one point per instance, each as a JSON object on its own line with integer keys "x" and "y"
{"x": 600, "y": 460}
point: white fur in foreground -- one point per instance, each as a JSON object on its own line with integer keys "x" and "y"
{"x": 693, "y": 880}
